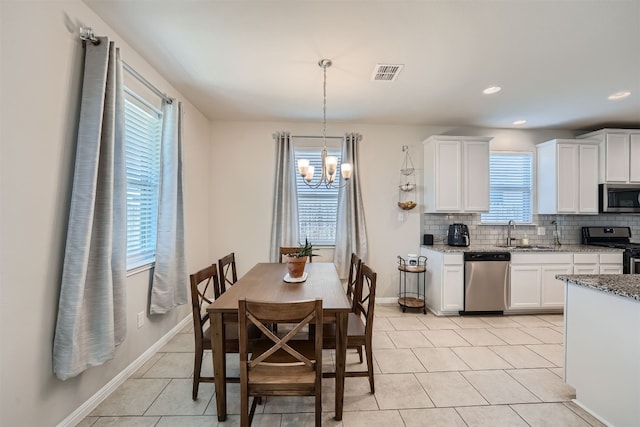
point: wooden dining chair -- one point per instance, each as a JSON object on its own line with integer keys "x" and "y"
{"x": 288, "y": 250}
{"x": 280, "y": 366}
{"x": 227, "y": 269}
{"x": 204, "y": 286}
{"x": 359, "y": 326}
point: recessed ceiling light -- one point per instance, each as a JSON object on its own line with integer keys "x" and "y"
{"x": 492, "y": 90}
{"x": 519, "y": 122}
{"x": 619, "y": 95}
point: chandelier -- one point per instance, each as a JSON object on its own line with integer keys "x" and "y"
{"x": 329, "y": 164}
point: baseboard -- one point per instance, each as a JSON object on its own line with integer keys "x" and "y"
{"x": 85, "y": 409}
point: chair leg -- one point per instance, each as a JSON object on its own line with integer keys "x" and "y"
{"x": 360, "y": 353}
{"x": 319, "y": 409}
{"x": 197, "y": 366}
{"x": 244, "y": 405}
{"x": 369, "y": 353}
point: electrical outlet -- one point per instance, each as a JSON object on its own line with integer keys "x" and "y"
{"x": 541, "y": 231}
{"x": 140, "y": 319}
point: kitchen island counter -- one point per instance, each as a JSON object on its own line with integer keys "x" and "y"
{"x": 602, "y": 345}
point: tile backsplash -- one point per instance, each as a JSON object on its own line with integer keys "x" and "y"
{"x": 569, "y": 227}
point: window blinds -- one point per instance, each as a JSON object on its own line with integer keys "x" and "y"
{"x": 143, "y": 126}
{"x": 317, "y": 207}
{"x": 510, "y": 195}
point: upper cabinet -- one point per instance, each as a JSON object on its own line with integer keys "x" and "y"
{"x": 456, "y": 174}
{"x": 619, "y": 155}
{"x": 567, "y": 177}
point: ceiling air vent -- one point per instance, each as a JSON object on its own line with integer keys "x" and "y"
{"x": 386, "y": 72}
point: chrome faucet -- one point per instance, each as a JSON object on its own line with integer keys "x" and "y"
{"x": 510, "y": 224}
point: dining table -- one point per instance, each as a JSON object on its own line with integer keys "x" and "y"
{"x": 266, "y": 282}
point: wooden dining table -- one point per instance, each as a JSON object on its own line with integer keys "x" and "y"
{"x": 265, "y": 282}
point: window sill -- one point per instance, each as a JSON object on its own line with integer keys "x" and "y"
{"x": 140, "y": 268}
{"x": 504, "y": 224}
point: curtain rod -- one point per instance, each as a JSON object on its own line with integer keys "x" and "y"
{"x": 86, "y": 33}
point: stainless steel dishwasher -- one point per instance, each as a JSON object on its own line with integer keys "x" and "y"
{"x": 486, "y": 280}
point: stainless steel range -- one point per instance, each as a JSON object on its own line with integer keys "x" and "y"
{"x": 615, "y": 237}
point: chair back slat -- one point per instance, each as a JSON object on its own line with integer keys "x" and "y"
{"x": 204, "y": 289}
{"x": 354, "y": 271}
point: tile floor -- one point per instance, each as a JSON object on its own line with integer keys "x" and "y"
{"x": 430, "y": 371}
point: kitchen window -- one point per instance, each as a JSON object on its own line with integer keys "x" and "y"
{"x": 317, "y": 207}
{"x": 143, "y": 127}
{"x": 510, "y": 194}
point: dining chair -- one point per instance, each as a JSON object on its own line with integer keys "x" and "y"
{"x": 288, "y": 250}
{"x": 359, "y": 326}
{"x": 227, "y": 269}
{"x": 204, "y": 286}
{"x": 279, "y": 366}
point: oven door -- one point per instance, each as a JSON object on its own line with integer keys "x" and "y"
{"x": 621, "y": 198}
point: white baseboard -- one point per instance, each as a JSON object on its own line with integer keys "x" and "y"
{"x": 85, "y": 409}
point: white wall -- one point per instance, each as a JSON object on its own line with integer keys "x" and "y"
{"x": 243, "y": 161}
{"x": 41, "y": 66}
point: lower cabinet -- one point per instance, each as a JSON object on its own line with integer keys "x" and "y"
{"x": 597, "y": 263}
{"x": 445, "y": 281}
{"x": 533, "y": 282}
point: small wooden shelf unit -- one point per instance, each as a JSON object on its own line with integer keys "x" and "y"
{"x": 408, "y": 299}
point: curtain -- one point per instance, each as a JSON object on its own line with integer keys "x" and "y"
{"x": 169, "y": 286}
{"x": 285, "y": 230}
{"x": 351, "y": 231}
{"x": 92, "y": 305}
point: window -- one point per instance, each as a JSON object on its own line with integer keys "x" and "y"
{"x": 510, "y": 188}
{"x": 143, "y": 127}
{"x": 317, "y": 207}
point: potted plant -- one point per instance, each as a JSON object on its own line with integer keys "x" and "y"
{"x": 297, "y": 261}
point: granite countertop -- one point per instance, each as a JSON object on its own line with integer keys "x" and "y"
{"x": 624, "y": 285}
{"x": 544, "y": 249}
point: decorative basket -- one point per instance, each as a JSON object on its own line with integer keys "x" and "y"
{"x": 408, "y": 205}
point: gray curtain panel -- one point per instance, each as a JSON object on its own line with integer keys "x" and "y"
{"x": 285, "y": 230}
{"x": 169, "y": 287}
{"x": 91, "y": 311}
{"x": 351, "y": 230}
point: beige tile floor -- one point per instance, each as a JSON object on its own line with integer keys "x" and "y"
{"x": 430, "y": 371}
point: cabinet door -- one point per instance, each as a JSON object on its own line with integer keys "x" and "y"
{"x": 524, "y": 286}
{"x": 586, "y": 269}
{"x": 568, "y": 184}
{"x": 476, "y": 176}
{"x": 634, "y": 158}
{"x": 617, "y": 157}
{"x": 610, "y": 269}
{"x": 452, "y": 287}
{"x": 588, "y": 179}
{"x": 552, "y": 295}
{"x": 448, "y": 176}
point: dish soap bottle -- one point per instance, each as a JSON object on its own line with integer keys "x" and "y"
{"x": 525, "y": 241}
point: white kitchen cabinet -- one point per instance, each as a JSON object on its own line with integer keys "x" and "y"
{"x": 532, "y": 282}
{"x": 567, "y": 177}
{"x": 456, "y": 174}
{"x": 445, "y": 281}
{"x": 619, "y": 151}
{"x": 597, "y": 263}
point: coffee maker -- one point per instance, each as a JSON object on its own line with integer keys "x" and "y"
{"x": 458, "y": 235}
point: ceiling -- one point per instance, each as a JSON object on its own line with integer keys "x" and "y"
{"x": 557, "y": 61}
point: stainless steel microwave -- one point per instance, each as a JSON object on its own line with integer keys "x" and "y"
{"x": 619, "y": 198}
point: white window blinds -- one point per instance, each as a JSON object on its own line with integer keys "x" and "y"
{"x": 143, "y": 127}
{"x": 510, "y": 196}
{"x": 317, "y": 207}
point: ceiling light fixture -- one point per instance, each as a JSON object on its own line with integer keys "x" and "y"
{"x": 519, "y": 122}
{"x": 329, "y": 163}
{"x": 619, "y": 95}
{"x": 491, "y": 90}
